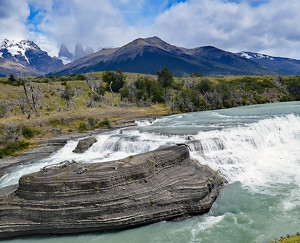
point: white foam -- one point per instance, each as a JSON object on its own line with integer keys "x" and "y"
{"x": 259, "y": 154}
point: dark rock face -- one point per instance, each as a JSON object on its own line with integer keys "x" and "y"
{"x": 64, "y": 52}
{"x": 79, "y": 52}
{"x": 41, "y": 61}
{"x": 72, "y": 198}
{"x": 84, "y": 144}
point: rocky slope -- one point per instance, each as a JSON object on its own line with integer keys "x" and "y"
{"x": 26, "y": 57}
{"x": 72, "y": 198}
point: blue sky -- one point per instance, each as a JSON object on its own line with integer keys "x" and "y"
{"x": 265, "y": 26}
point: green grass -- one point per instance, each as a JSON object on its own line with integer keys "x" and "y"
{"x": 12, "y": 148}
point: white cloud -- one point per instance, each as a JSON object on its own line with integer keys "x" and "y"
{"x": 13, "y": 15}
{"x": 267, "y": 26}
{"x": 270, "y": 27}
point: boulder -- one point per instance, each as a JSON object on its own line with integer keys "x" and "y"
{"x": 84, "y": 144}
{"x": 67, "y": 198}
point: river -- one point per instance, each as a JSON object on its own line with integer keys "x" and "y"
{"x": 256, "y": 148}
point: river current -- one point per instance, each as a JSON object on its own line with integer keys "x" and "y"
{"x": 256, "y": 148}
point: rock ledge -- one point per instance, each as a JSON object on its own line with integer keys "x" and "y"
{"x": 74, "y": 198}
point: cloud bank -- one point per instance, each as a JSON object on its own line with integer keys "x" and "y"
{"x": 268, "y": 26}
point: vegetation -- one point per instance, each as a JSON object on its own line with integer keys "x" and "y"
{"x": 288, "y": 239}
{"x": 32, "y": 108}
{"x": 12, "y": 148}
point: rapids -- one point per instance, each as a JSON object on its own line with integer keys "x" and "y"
{"x": 256, "y": 148}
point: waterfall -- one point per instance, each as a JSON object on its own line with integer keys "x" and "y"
{"x": 257, "y": 154}
{"x": 256, "y": 148}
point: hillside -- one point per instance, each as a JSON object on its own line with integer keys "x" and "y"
{"x": 150, "y": 54}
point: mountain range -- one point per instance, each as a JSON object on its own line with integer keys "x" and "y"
{"x": 280, "y": 65}
{"x": 25, "y": 58}
{"x": 140, "y": 56}
{"x": 150, "y": 54}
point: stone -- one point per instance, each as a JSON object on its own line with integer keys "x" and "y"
{"x": 159, "y": 185}
{"x": 84, "y": 144}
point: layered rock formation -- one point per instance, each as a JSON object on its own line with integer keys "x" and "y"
{"x": 72, "y": 198}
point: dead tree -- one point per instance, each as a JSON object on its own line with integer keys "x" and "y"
{"x": 67, "y": 95}
{"x": 96, "y": 88}
{"x": 30, "y": 100}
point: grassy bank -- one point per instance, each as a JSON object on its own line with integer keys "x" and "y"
{"x": 34, "y": 108}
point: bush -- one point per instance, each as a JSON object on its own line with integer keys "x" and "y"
{"x": 3, "y": 111}
{"x": 56, "y": 122}
{"x": 92, "y": 122}
{"x": 82, "y": 127}
{"x": 29, "y": 132}
{"x": 104, "y": 123}
{"x": 11, "y": 148}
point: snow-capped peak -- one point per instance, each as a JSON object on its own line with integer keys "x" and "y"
{"x": 251, "y": 55}
{"x": 243, "y": 54}
{"x": 17, "y": 48}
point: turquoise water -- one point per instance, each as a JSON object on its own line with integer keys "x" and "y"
{"x": 257, "y": 149}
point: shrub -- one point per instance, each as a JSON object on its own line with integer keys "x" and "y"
{"x": 104, "y": 123}
{"x": 82, "y": 127}
{"x": 92, "y": 122}
{"x": 56, "y": 122}
{"x": 11, "y": 148}
{"x": 29, "y": 132}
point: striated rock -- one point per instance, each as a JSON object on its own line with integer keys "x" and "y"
{"x": 84, "y": 144}
{"x": 73, "y": 198}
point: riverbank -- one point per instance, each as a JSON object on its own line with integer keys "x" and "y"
{"x": 45, "y": 146}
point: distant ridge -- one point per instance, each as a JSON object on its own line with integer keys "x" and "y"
{"x": 147, "y": 55}
{"x": 280, "y": 65}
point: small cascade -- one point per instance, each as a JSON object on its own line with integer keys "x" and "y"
{"x": 257, "y": 154}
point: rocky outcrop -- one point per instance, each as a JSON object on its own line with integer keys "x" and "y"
{"x": 64, "y": 52}
{"x": 73, "y": 198}
{"x": 84, "y": 144}
{"x": 79, "y": 52}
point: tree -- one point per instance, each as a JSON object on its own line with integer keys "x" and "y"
{"x": 165, "y": 77}
{"x": 204, "y": 85}
{"x": 30, "y": 100}
{"x": 67, "y": 95}
{"x": 96, "y": 88}
{"x": 128, "y": 93}
{"x": 114, "y": 80}
{"x": 12, "y": 79}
